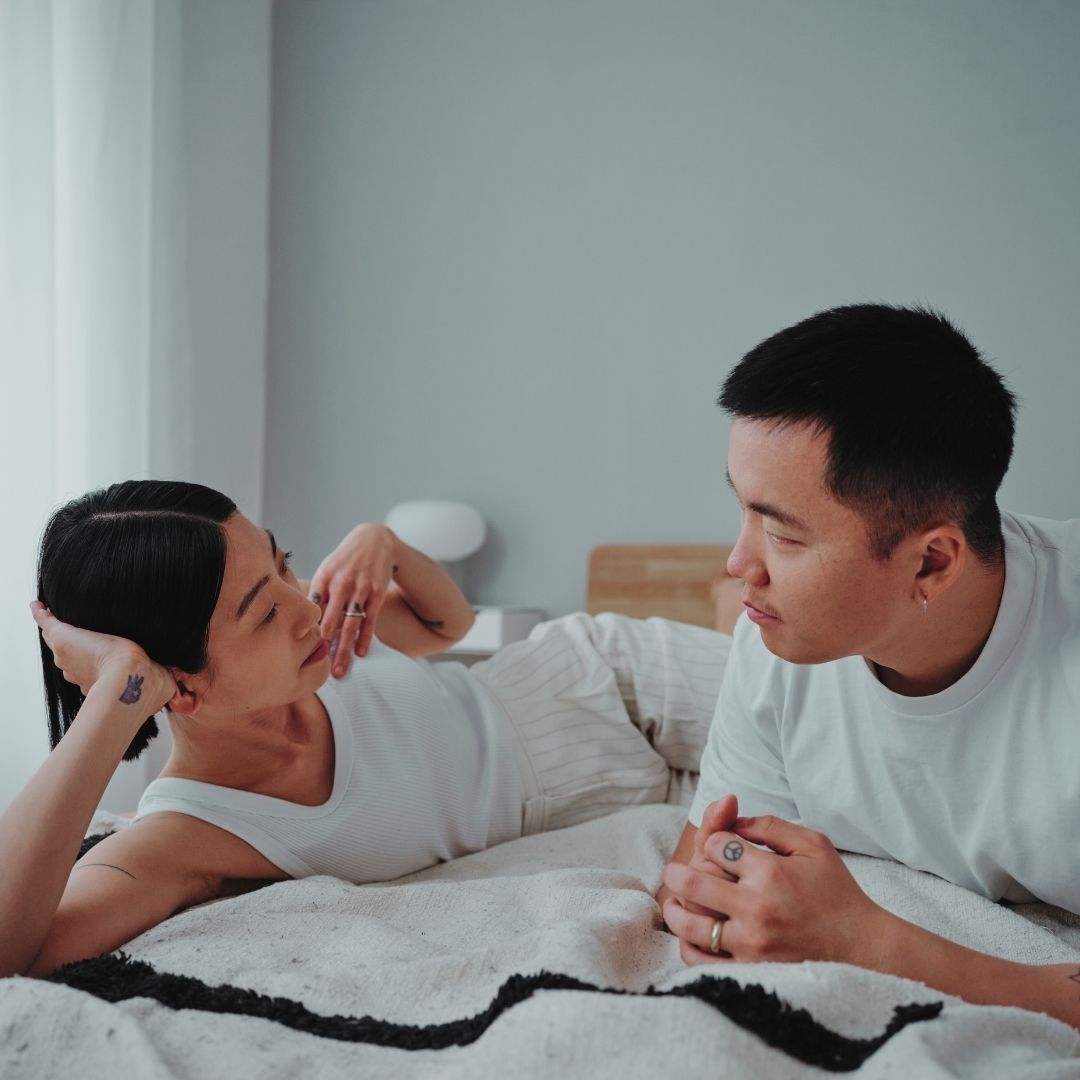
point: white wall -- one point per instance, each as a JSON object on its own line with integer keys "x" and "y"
{"x": 516, "y": 246}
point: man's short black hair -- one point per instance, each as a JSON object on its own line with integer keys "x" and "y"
{"x": 920, "y": 427}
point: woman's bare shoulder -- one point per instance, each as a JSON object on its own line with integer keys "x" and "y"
{"x": 192, "y": 848}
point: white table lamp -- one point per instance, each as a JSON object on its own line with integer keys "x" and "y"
{"x": 445, "y": 531}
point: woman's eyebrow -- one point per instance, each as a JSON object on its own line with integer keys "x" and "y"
{"x": 254, "y": 590}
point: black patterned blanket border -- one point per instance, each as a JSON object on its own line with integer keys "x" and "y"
{"x": 792, "y": 1031}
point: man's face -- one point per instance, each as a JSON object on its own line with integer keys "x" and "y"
{"x": 810, "y": 580}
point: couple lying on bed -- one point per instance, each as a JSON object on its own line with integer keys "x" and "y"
{"x": 905, "y": 683}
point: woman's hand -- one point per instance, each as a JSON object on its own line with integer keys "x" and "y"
{"x": 86, "y": 657}
{"x": 350, "y": 586}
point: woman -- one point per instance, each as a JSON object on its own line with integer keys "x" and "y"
{"x": 161, "y": 595}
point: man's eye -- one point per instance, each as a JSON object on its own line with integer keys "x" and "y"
{"x": 271, "y": 615}
{"x": 781, "y": 541}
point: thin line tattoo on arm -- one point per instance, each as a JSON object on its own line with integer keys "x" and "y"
{"x": 83, "y": 866}
{"x": 133, "y": 690}
{"x": 1075, "y": 978}
{"x": 431, "y": 624}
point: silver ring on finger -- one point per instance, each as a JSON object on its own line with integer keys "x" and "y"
{"x": 357, "y": 612}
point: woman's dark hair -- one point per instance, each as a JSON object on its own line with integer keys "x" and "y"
{"x": 143, "y": 560}
{"x": 920, "y": 427}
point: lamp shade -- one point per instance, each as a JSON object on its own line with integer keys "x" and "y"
{"x": 446, "y": 531}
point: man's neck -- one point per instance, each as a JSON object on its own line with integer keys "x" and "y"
{"x": 943, "y": 646}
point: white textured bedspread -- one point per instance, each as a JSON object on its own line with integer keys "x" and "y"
{"x": 492, "y": 965}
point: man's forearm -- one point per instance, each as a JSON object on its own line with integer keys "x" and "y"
{"x": 914, "y": 953}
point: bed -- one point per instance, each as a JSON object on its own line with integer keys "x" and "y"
{"x": 543, "y": 957}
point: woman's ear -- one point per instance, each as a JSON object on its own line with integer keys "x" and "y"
{"x": 944, "y": 556}
{"x": 186, "y": 700}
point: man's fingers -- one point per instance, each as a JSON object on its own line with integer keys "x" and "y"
{"x": 781, "y": 836}
{"x": 692, "y": 928}
{"x": 728, "y": 851}
{"x": 708, "y": 890}
{"x": 719, "y": 816}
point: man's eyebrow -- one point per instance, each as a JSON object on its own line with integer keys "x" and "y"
{"x": 253, "y": 591}
{"x": 790, "y": 521}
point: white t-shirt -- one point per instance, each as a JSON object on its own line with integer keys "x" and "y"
{"x": 979, "y": 784}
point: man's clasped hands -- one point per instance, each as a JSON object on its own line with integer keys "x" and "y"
{"x": 790, "y": 899}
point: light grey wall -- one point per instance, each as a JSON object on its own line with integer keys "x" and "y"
{"x": 516, "y": 246}
{"x": 226, "y": 106}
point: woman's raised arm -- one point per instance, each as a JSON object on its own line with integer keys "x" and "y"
{"x": 42, "y": 829}
{"x": 373, "y": 582}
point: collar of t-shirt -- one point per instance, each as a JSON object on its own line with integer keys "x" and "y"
{"x": 1015, "y": 612}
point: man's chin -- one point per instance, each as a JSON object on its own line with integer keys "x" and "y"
{"x": 780, "y": 644}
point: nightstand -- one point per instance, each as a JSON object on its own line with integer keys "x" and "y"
{"x": 494, "y": 628}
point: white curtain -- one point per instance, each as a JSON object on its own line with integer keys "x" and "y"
{"x": 95, "y": 319}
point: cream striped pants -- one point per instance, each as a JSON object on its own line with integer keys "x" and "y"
{"x": 610, "y": 712}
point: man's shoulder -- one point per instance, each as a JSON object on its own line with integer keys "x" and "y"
{"x": 1046, "y": 538}
{"x": 1053, "y": 548}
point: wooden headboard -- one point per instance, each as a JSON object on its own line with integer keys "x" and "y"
{"x": 687, "y": 582}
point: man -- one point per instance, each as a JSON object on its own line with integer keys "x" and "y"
{"x": 906, "y": 681}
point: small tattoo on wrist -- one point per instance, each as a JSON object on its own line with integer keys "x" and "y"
{"x": 133, "y": 690}
{"x": 733, "y": 851}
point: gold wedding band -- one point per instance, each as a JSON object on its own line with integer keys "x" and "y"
{"x": 716, "y": 936}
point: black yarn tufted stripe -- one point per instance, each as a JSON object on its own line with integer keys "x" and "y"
{"x": 90, "y": 842}
{"x": 793, "y": 1031}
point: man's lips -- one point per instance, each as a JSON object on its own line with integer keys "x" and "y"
{"x": 317, "y": 653}
{"x": 759, "y": 615}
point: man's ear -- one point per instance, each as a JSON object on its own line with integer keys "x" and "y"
{"x": 186, "y": 699}
{"x": 944, "y": 551}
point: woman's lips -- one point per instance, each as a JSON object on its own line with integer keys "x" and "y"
{"x": 758, "y": 616}
{"x": 317, "y": 654}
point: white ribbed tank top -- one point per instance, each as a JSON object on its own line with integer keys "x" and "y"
{"x": 425, "y": 770}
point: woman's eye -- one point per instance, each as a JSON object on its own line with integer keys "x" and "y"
{"x": 271, "y": 615}
{"x": 286, "y": 564}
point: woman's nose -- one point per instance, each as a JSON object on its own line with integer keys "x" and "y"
{"x": 309, "y": 611}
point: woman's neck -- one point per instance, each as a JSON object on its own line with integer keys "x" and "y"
{"x": 244, "y": 751}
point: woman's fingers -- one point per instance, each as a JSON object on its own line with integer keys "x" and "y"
{"x": 367, "y": 626}
{"x": 353, "y": 622}
{"x": 317, "y": 594}
{"x": 45, "y": 619}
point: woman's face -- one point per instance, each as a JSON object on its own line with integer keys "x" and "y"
{"x": 262, "y": 632}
